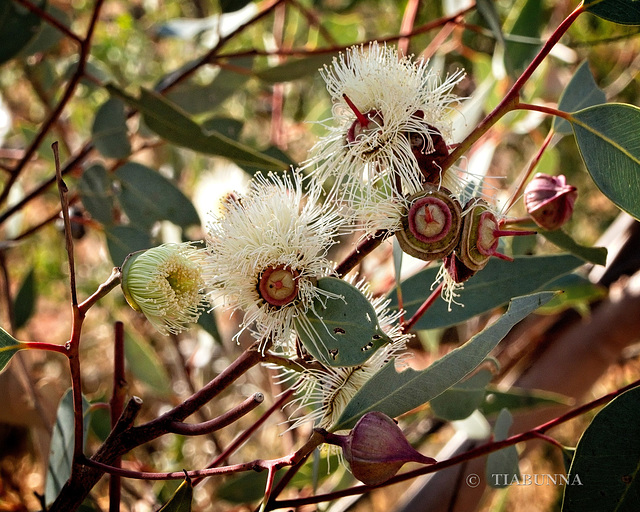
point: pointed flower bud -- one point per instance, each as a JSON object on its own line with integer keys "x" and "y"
{"x": 167, "y": 284}
{"x": 431, "y": 225}
{"x": 549, "y": 200}
{"x": 376, "y": 449}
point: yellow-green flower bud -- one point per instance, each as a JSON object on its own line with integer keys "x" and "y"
{"x": 167, "y": 285}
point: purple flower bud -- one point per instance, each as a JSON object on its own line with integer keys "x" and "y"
{"x": 549, "y": 200}
{"x": 376, "y": 449}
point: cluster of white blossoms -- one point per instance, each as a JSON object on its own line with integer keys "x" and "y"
{"x": 269, "y": 248}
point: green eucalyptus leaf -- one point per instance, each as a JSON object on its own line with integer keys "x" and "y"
{"x": 519, "y": 54}
{"x": 181, "y": 499}
{"x": 460, "y": 400}
{"x": 517, "y": 398}
{"x": 559, "y": 238}
{"x": 123, "y": 240}
{"x": 487, "y": 9}
{"x": 172, "y": 124}
{"x": 147, "y": 197}
{"x": 396, "y": 393}
{"x": 8, "y": 346}
{"x": 196, "y": 98}
{"x": 109, "y": 130}
{"x": 625, "y": 12}
{"x": 24, "y": 302}
{"x": 607, "y": 137}
{"x": 96, "y": 193}
{"x": 294, "y": 69}
{"x": 18, "y": 27}
{"x": 225, "y": 125}
{"x": 581, "y": 92}
{"x": 502, "y": 466}
{"x": 48, "y": 35}
{"x": 577, "y": 293}
{"x": 233, "y": 5}
{"x": 607, "y": 459}
{"x": 62, "y": 445}
{"x": 144, "y": 363}
{"x": 342, "y": 331}
{"x": 492, "y": 287}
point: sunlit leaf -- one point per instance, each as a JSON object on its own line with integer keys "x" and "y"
{"x": 396, "y": 393}
{"x": 181, "y": 499}
{"x": 625, "y": 12}
{"x": 502, "y": 466}
{"x": 62, "y": 445}
{"x": 110, "y": 130}
{"x": 24, "y": 302}
{"x": 341, "y": 331}
{"x": 561, "y": 239}
{"x": 8, "y": 346}
{"x": 581, "y": 92}
{"x": 147, "y": 197}
{"x": 606, "y": 460}
{"x": 18, "y": 27}
{"x": 577, "y": 293}
{"x": 607, "y": 136}
{"x": 172, "y": 124}
{"x": 146, "y": 365}
{"x": 492, "y": 287}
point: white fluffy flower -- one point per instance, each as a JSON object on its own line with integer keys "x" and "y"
{"x": 328, "y": 390}
{"x": 390, "y": 121}
{"x": 268, "y": 250}
{"x": 167, "y": 284}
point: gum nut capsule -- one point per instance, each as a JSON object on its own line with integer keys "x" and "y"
{"x": 431, "y": 224}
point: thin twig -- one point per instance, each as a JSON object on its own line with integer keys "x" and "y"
{"x": 64, "y": 202}
{"x": 206, "y": 427}
{"x": 116, "y": 406}
{"x": 50, "y": 20}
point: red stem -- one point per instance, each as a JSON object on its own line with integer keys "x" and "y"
{"x": 406, "y": 327}
{"x": 463, "y": 457}
{"x": 408, "y": 21}
{"x": 116, "y": 407}
{"x": 511, "y": 99}
{"x": 51, "y": 347}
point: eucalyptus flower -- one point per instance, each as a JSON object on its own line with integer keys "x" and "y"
{"x": 391, "y": 126}
{"x": 268, "y": 250}
{"x": 167, "y": 284}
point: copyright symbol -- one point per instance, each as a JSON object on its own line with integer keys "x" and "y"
{"x": 473, "y": 480}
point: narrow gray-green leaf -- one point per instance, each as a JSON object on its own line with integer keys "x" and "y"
{"x": 294, "y": 69}
{"x": 502, "y": 466}
{"x": 123, "y": 240}
{"x": 18, "y": 27}
{"x": 518, "y": 55}
{"x": 341, "y": 331}
{"x": 607, "y": 459}
{"x": 96, "y": 193}
{"x": 561, "y": 239}
{"x": 110, "y": 130}
{"x": 144, "y": 363}
{"x": 24, "y": 302}
{"x": 146, "y": 196}
{"x": 607, "y": 136}
{"x": 581, "y": 92}
{"x": 492, "y": 287}
{"x": 625, "y": 12}
{"x": 487, "y": 9}
{"x": 460, "y": 400}
{"x": 517, "y": 398}
{"x": 8, "y": 346}
{"x": 395, "y": 393}
{"x": 181, "y": 499}
{"x": 172, "y": 124}
{"x": 62, "y": 445}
